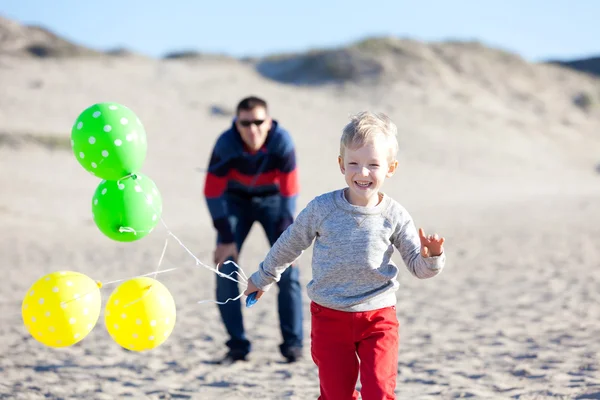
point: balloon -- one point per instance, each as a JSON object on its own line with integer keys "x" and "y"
{"x": 109, "y": 141}
{"x": 140, "y": 314}
{"x": 128, "y": 209}
{"x": 61, "y": 308}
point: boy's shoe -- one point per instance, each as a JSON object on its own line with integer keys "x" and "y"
{"x": 292, "y": 354}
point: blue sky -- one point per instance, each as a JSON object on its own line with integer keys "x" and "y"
{"x": 535, "y": 29}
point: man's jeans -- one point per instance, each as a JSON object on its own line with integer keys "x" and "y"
{"x": 243, "y": 212}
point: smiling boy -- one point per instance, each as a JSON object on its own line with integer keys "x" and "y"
{"x": 355, "y": 230}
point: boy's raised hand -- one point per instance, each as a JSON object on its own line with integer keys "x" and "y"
{"x": 432, "y": 245}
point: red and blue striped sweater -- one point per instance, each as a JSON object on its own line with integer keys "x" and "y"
{"x": 233, "y": 168}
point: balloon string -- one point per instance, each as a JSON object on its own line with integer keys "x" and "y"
{"x": 221, "y": 302}
{"x": 146, "y": 292}
{"x": 239, "y": 273}
{"x": 63, "y": 303}
{"x": 161, "y": 257}
{"x": 215, "y": 270}
{"x": 129, "y": 229}
{"x": 139, "y": 276}
{"x": 125, "y": 177}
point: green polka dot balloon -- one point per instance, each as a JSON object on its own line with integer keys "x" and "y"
{"x": 109, "y": 141}
{"x": 128, "y": 209}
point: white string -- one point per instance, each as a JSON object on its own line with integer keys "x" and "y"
{"x": 140, "y": 276}
{"x": 243, "y": 278}
{"x": 62, "y": 303}
{"x": 221, "y": 302}
{"x": 200, "y": 263}
{"x": 240, "y": 273}
{"x": 243, "y": 275}
{"x": 161, "y": 257}
{"x": 129, "y": 229}
{"x": 146, "y": 293}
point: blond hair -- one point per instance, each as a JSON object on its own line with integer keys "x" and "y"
{"x": 364, "y": 127}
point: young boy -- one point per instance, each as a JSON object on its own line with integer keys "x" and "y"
{"x": 353, "y": 284}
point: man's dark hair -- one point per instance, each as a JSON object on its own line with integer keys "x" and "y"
{"x": 250, "y": 103}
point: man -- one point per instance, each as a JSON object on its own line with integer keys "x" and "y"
{"x": 252, "y": 177}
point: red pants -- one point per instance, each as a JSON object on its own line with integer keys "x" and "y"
{"x": 339, "y": 337}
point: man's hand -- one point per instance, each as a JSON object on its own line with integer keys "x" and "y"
{"x": 432, "y": 245}
{"x": 225, "y": 251}
{"x": 252, "y": 288}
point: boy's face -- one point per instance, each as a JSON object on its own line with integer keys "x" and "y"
{"x": 254, "y": 126}
{"x": 365, "y": 169}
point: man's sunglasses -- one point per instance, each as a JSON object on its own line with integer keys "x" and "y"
{"x": 257, "y": 122}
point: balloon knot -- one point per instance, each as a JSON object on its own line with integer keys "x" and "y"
{"x": 99, "y": 284}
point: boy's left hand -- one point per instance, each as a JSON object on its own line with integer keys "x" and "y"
{"x": 432, "y": 245}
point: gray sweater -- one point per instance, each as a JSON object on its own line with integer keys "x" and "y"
{"x": 352, "y": 268}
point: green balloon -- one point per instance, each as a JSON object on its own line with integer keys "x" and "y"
{"x": 128, "y": 209}
{"x": 109, "y": 141}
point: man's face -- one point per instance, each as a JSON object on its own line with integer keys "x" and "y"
{"x": 254, "y": 126}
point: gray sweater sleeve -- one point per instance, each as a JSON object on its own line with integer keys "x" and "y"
{"x": 406, "y": 240}
{"x": 290, "y": 245}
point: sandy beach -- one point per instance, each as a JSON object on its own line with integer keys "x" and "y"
{"x": 505, "y": 171}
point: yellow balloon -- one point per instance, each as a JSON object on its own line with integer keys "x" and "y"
{"x": 140, "y": 314}
{"x": 61, "y": 308}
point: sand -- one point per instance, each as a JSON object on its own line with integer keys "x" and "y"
{"x": 514, "y": 189}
